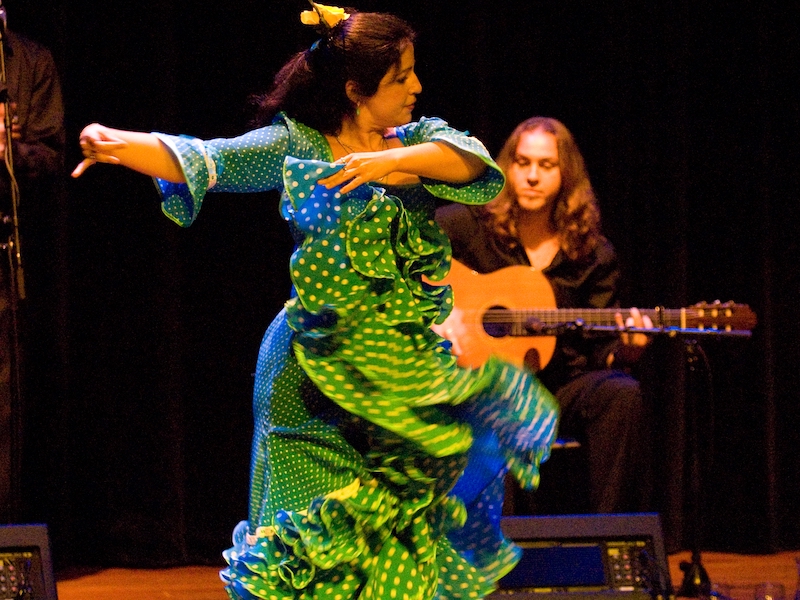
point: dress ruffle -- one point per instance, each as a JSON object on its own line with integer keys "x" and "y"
{"x": 375, "y": 253}
{"x": 383, "y": 537}
{"x": 363, "y": 321}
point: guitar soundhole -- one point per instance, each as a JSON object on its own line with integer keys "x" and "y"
{"x": 493, "y": 326}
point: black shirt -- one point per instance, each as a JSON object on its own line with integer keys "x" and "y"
{"x": 589, "y": 283}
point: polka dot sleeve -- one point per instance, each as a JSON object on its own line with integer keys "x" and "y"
{"x": 248, "y": 163}
{"x": 479, "y": 191}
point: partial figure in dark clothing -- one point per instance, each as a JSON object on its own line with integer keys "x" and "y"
{"x": 547, "y": 218}
{"x": 37, "y": 113}
{"x": 31, "y": 110}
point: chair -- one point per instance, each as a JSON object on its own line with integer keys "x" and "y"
{"x": 563, "y": 489}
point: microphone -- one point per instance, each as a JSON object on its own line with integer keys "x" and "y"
{"x": 3, "y": 18}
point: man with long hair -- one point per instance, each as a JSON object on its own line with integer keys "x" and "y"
{"x": 547, "y": 217}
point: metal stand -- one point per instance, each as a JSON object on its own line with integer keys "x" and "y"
{"x": 13, "y": 218}
{"x": 696, "y": 583}
{"x": 14, "y": 289}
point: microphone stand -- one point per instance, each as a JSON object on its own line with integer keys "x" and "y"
{"x": 16, "y": 282}
{"x": 13, "y": 243}
{"x": 696, "y": 582}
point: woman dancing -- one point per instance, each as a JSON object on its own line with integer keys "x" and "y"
{"x": 364, "y": 424}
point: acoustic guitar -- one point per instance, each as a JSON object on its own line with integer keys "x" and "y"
{"x": 512, "y": 312}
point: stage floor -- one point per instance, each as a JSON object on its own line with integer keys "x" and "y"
{"x": 741, "y": 572}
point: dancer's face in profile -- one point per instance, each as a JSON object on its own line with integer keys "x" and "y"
{"x": 535, "y": 174}
{"x": 394, "y": 101}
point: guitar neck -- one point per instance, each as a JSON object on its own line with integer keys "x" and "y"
{"x": 661, "y": 317}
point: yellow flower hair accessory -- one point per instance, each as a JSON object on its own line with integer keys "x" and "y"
{"x": 327, "y": 16}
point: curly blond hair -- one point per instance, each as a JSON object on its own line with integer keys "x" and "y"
{"x": 576, "y": 215}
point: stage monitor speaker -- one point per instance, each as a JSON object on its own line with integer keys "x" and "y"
{"x": 587, "y": 557}
{"x": 26, "y": 569}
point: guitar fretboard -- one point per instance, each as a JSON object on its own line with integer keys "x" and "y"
{"x": 521, "y": 322}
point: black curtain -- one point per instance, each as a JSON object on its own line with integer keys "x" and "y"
{"x": 688, "y": 122}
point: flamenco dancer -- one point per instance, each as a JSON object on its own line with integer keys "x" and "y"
{"x": 377, "y": 462}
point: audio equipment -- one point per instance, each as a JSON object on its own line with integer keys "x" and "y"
{"x": 587, "y": 557}
{"x": 26, "y": 570}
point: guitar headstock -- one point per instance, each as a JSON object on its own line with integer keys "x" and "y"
{"x": 723, "y": 316}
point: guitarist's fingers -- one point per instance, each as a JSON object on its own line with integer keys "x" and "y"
{"x": 641, "y": 322}
{"x": 621, "y": 323}
{"x": 647, "y": 323}
{"x": 457, "y": 347}
{"x": 452, "y": 330}
{"x": 636, "y": 339}
{"x": 627, "y": 338}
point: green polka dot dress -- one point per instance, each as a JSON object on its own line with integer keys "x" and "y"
{"x": 377, "y": 462}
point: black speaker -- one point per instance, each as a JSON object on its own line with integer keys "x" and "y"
{"x": 26, "y": 569}
{"x": 587, "y": 557}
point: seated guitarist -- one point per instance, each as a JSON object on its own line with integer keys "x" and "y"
{"x": 547, "y": 217}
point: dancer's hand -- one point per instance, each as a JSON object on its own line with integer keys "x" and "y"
{"x": 360, "y": 168}
{"x": 98, "y": 145}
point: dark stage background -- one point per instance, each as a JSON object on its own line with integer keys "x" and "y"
{"x": 138, "y": 453}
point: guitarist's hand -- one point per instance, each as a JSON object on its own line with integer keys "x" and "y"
{"x": 633, "y": 344}
{"x": 453, "y": 329}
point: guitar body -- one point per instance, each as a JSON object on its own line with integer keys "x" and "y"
{"x": 514, "y": 287}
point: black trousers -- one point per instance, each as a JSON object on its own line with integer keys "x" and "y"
{"x": 612, "y": 471}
